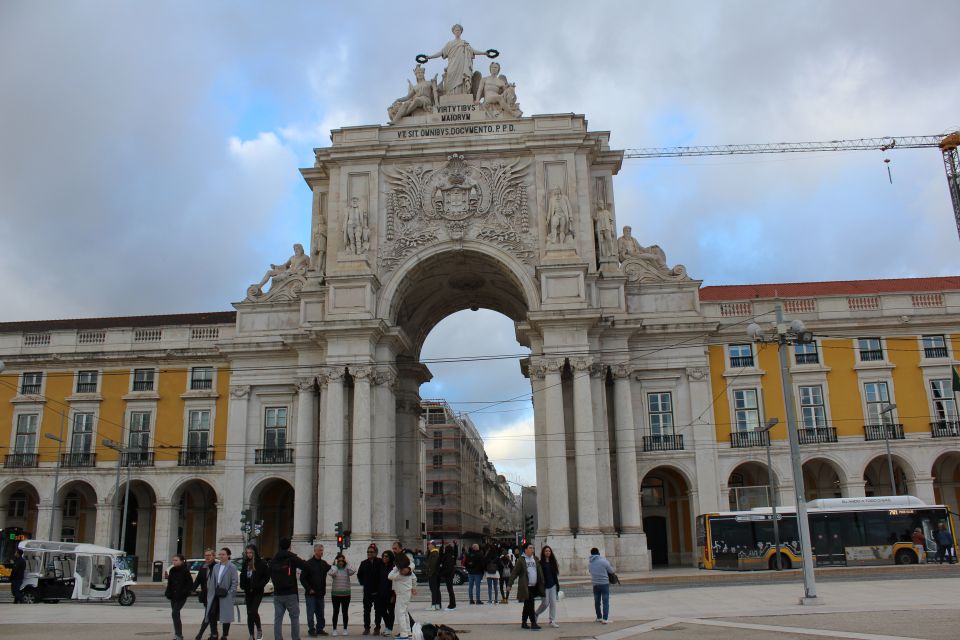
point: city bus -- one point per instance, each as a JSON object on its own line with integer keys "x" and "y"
{"x": 843, "y": 532}
{"x": 9, "y": 539}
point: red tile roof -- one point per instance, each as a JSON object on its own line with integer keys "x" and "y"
{"x": 831, "y": 288}
{"x": 216, "y": 317}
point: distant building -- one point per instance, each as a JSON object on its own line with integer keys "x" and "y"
{"x": 465, "y": 497}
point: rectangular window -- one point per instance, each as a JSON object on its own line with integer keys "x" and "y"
{"x": 660, "y": 412}
{"x": 944, "y": 404}
{"x": 31, "y": 383}
{"x": 878, "y": 397}
{"x": 436, "y": 416}
{"x": 437, "y": 518}
{"x": 143, "y": 379}
{"x": 71, "y": 506}
{"x": 437, "y": 461}
{"x": 806, "y": 353}
{"x": 438, "y": 439}
{"x": 26, "y": 438}
{"x": 201, "y": 378}
{"x": 438, "y": 488}
{"x": 275, "y": 428}
{"x": 198, "y": 430}
{"x": 746, "y": 410}
{"x": 934, "y": 347}
{"x": 813, "y": 414}
{"x": 86, "y": 382}
{"x": 82, "y": 439}
{"x": 139, "y": 438}
{"x": 871, "y": 349}
{"x": 741, "y": 355}
{"x": 17, "y": 507}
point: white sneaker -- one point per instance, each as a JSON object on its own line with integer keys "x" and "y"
{"x": 604, "y": 622}
{"x": 334, "y": 632}
{"x": 344, "y": 632}
{"x": 599, "y": 620}
{"x": 554, "y": 625}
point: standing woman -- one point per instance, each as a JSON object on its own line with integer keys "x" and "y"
{"x": 447, "y": 570}
{"x": 179, "y": 588}
{"x": 221, "y": 590}
{"x": 493, "y": 574}
{"x": 385, "y": 596}
{"x": 340, "y": 589}
{"x": 551, "y": 584}
{"x": 253, "y": 579}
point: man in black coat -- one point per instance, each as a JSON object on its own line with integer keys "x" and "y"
{"x": 314, "y": 581}
{"x": 209, "y": 561}
{"x": 368, "y": 575}
{"x": 17, "y": 575}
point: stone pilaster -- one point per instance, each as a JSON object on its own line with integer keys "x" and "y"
{"x": 362, "y": 475}
{"x": 101, "y": 532}
{"x": 601, "y": 434}
{"x": 384, "y": 515}
{"x": 305, "y": 465}
{"x": 628, "y": 483}
{"x": 163, "y": 531}
{"x": 234, "y": 489}
{"x": 330, "y": 497}
{"x": 541, "y": 446}
{"x": 559, "y": 507}
{"x": 585, "y": 448}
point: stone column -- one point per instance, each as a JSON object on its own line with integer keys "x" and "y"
{"x": 586, "y": 449}
{"x": 704, "y": 445}
{"x": 853, "y": 488}
{"x": 384, "y": 515}
{"x": 601, "y": 434}
{"x": 101, "y": 532}
{"x": 305, "y": 466}
{"x": 44, "y": 516}
{"x": 628, "y": 483}
{"x": 330, "y": 496}
{"x": 541, "y": 446}
{"x": 362, "y": 477}
{"x": 923, "y": 489}
{"x": 559, "y": 508}
{"x": 163, "y": 534}
{"x": 234, "y": 497}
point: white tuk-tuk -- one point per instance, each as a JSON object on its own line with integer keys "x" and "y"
{"x": 73, "y": 571}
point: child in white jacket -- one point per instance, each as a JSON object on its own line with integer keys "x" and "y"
{"x": 402, "y": 578}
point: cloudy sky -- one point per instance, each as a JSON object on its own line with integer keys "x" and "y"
{"x": 149, "y": 151}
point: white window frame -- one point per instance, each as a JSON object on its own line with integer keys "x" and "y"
{"x": 949, "y": 399}
{"x": 797, "y": 348}
{"x": 189, "y": 410}
{"x": 77, "y": 382}
{"x": 945, "y": 346}
{"x": 14, "y": 446}
{"x": 889, "y": 418}
{"x": 213, "y": 378}
{"x": 130, "y": 424}
{"x": 92, "y": 433}
{"x": 752, "y": 355}
{"x": 155, "y": 380}
{"x": 286, "y": 425}
{"x": 735, "y": 423}
{"x": 43, "y": 383}
{"x": 651, "y": 414}
{"x": 860, "y": 350}
{"x": 801, "y": 414}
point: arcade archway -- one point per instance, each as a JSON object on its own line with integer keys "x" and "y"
{"x": 19, "y": 507}
{"x": 664, "y": 496}
{"x": 876, "y": 476}
{"x": 748, "y": 486}
{"x": 272, "y": 502}
{"x": 195, "y": 525}
{"x": 821, "y": 479}
{"x": 77, "y": 512}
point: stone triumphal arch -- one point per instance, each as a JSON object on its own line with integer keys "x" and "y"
{"x": 462, "y": 202}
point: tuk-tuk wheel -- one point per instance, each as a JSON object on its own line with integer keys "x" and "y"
{"x": 29, "y": 595}
{"x": 127, "y": 597}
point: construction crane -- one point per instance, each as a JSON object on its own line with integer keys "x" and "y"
{"x": 947, "y": 144}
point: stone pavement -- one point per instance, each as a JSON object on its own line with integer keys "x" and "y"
{"x": 864, "y": 610}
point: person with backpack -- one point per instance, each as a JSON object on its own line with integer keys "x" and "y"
{"x": 433, "y": 574}
{"x": 203, "y": 576}
{"x": 506, "y": 566}
{"x": 492, "y": 574}
{"x": 340, "y": 590}
{"x": 474, "y": 565}
{"x": 368, "y": 575}
{"x": 314, "y": 584}
{"x": 179, "y": 588}
{"x": 286, "y": 596}
{"x": 253, "y": 579}
{"x": 447, "y": 570}
{"x": 600, "y": 570}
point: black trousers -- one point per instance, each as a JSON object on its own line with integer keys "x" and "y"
{"x": 175, "y": 606}
{"x": 340, "y": 603}
{"x": 529, "y": 610}
{"x": 253, "y": 611}
{"x": 210, "y": 619}
{"x": 369, "y": 602}
{"x": 385, "y": 609}
{"x": 434, "y": 582}
{"x": 451, "y": 598}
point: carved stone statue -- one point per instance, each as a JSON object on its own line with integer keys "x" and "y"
{"x": 497, "y": 95}
{"x": 646, "y": 264}
{"x": 559, "y": 218}
{"x": 458, "y": 76}
{"x": 319, "y": 247}
{"x": 421, "y": 96}
{"x": 628, "y": 246}
{"x": 356, "y": 231}
{"x": 288, "y": 278}
{"x": 606, "y": 234}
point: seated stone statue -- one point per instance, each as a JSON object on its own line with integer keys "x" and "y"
{"x": 420, "y": 97}
{"x": 297, "y": 264}
{"x": 646, "y": 264}
{"x": 497, "y": 95}
{"x": 627, "y": 246}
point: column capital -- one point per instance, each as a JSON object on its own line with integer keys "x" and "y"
{"x": 696, "y": 373}
{"x": 540, "y": 367}
{"x": 581, "y": 364}
{"x": 306, "y": 384}
{"x": 385, "y": 376}
{"x": 239, "y": 391}
{"x": 361, "y": 373}
{"x": 621, "y": 371}
{"x": 598, "y": 370}
{"x": 330, "y": 374}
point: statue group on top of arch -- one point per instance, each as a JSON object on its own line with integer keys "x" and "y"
{"x": 493, "y": 93}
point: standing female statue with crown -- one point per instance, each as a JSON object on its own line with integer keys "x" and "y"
{"x": 458, "y": 76}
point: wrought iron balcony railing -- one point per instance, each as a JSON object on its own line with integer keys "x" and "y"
{"x": 137, "y": 459}
{"x": 744, "y": 439}
{"x": 945, "y": 429}
{"x": 195, "y": 458}
{"x": 273, "y": 456}
{"x": 20, "y": 460}
{"x": 663, "y": 443}
{"x": 817, "y": 435}
{"x": 81, "y": 459}
{"x": 883, "y": 432}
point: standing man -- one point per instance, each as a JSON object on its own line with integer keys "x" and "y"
{"x": 368, "y": 575}
{"x": 475, "y": 566}
{"x": 221, "y": 589}
{"x": 944, "y": 544}
{"x": 314, "y": 582}
{"x": 17, "y": 575}
{"x": 201, "y": 582}
{"x": 528, "y": 574}
{"x": 447, "y": 570}
{"x": 433, "y": 574}
{"x": 286, "y": 597}
{"x": 600, "y": 570}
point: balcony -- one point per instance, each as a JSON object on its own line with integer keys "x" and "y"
{"x": 945, "y": 429}
{"x": 137, "y": 459}
{"x": 873, "y": 432}
{"x": 818, "y": 435}
{"x": 86, "y": 387}
{"x": 934, "y": 352}
{"x": 201, "y": 384}
{"x": 663, "y": 443}
{"x": 745, "y": 439}
{"x": 20, "y": 461}
{"x": 30, "y": 389}
{"x": 738, "y": 362}
{"x": 143, "y": 385}
{"x": 808, "y": 358}
{"x": 872, "y": 355}
{"x": 195, "y": 458}
{"x": 82, "y": 459}
{"x": 273, "y": 456}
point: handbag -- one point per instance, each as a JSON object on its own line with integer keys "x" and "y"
{"x": 612, "y": 577}
{"x": 221, "y": 592}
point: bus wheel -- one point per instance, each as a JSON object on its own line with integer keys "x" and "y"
{"x": 905, "y": 556}
{"x": 784, "y": 562}
{"x": 29, "y": 595}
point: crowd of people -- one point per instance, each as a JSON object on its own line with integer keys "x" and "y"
{"x": 388, "y": 582}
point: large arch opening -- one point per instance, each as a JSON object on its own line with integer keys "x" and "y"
{"x": 195, "y": 526}
{"x": 77, "y": 511}
{"x": 272, "y": 502}
{"x": 821, "y": 479}
{"x": 749, "y": 486}
{"x": 664, "y": 496}
{"x": 19, "y": 502}
{"x": 946, "y": 480}
{"x": 135, "y": 531}
{"x": 876, "y": 476}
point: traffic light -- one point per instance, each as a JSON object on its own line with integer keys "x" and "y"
{"x": 528, "y": 529}
{"x": 338, "y": 528}
{"x": 346, "y": 540}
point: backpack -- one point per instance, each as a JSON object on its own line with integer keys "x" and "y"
{"x": 283, "y": 574}
{"x": 438, "y": 632}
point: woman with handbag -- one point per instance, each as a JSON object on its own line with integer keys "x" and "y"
{"x": 253, "y": 580}
{"x": 551, "y": 584}
{"x": 221, "y": 588}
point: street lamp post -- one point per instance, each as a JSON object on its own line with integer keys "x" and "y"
{"x": 56, "y": 474}
{"x": 110, "y": 444}
{"x": 772, "y": 493}
{"x": 887, "y": 410}
{"x": 783, "y": 334}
